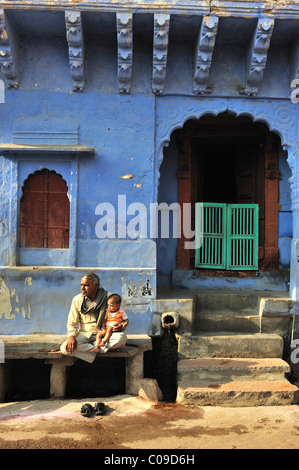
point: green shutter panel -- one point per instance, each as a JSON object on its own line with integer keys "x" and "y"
{"x": 242, "y": 236}
{"x": 210, "y": 235}
{"x": 226, "y": 236}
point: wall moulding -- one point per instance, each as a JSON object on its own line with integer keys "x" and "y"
{"x": 222, "y": 8}
{"x": 199, "y": 7}
{"x": 45, "y": 134}
{"x": 279, "y": 116}
{"x": 252, "y": 9}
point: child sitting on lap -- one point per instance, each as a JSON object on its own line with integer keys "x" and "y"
{"x": 116, "y": 320}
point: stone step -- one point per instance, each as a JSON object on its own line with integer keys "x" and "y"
{"x": 242, "y": 312}
{"x": 230, "y": 344}
{"x": 238, "y": 393}
{"x": 231, "y": 369}
{"x": 239, "y": 322}
{"x": 249, "y": 302}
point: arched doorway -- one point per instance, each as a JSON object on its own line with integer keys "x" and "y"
{"x": 231, "y": 160}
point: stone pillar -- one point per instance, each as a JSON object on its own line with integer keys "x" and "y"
{"x": 184, "y": 193}
{"x": 58, "y": 375}
{"x": 294, "y": 268}
{"x": 136, "y": 384}
{"x": 294, "y": 265}
{"x": 271, "y": 203}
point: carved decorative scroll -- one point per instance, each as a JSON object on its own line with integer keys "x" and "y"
{"x": 75, "y": 39}
{"x": 124, "y": 22}
{"x": 160, "y": 50}
{"x": 204, "y": 51}
{"x": 9, "y": 52}
{"x": 257, "y": 54}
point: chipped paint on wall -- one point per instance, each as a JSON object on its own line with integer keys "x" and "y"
{"x": 28, "y": 281}
{"x": 6, "y": 307}
{"x": 8, "y": 300}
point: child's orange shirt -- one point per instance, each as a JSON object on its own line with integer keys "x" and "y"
{"x": 115, "y": 318}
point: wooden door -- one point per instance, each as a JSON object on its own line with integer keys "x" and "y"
{"x": 44, "y": 211}
{"x": 250, "y": 183}
{"x": 246, "y": 175}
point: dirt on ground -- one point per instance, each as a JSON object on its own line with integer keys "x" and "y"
{"x": 134, "y": 423}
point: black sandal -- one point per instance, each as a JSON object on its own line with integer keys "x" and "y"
{"x": 87, "y": 410}
{"x": 99, "y": 409}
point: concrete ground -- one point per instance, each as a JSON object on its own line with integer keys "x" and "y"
{"x": 135, "y": 423}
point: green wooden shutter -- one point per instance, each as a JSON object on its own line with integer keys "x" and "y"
{"x": 242, "y": 236}
{"x": 226, "y": 236}
{"x": 210, "y": 235}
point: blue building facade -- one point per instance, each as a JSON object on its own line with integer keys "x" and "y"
{"x": 98, "y": 93}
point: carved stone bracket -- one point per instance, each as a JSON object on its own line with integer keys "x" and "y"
{"x": 160, "y": 51}
{"x": 9, "y": 52}
{"x": 294, "y": 70}
{"x": 124, "y": 23}
{"x": 204, "y": 51}
{"x": 75, "y": 39}
{"x": 257, "y": 55}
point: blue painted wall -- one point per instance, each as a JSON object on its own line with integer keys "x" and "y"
{"x": 120, "y": 149}
{"x": 123, "y": 131}
{"x": 37, "y": 300}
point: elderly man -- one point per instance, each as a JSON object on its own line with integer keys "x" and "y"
{"x": 86, "y": 316}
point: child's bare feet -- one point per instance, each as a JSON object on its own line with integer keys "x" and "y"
{"x": 94, "y": 350}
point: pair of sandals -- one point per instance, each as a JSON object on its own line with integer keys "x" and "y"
{"x": 87, "y": 410}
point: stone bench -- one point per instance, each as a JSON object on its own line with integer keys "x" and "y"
{"x": 47, "y": 347}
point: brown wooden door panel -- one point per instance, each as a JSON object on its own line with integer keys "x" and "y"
{"x": 57, "y": 210}
{"x": 44, "y": 213}
{"x": 58, "y": 238}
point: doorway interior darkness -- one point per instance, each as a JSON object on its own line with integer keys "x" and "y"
{"x": 228, "y": 159}
{"x": 236, "y": 172}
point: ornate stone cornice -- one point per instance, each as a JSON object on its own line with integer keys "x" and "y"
{"x": 9, "y": 52}
{"x": 75, "y": 39}
{"x": 255, "y": 8}
{"x": 124, "y": 23}
{"x": 257, "y": 55}
{"x": 204, "y": 52}
{"x": 198, "y": 7}
{"x": 221, "y": 8}
{"x": 160, "y": 50}
{"x": 198, "y": 84}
